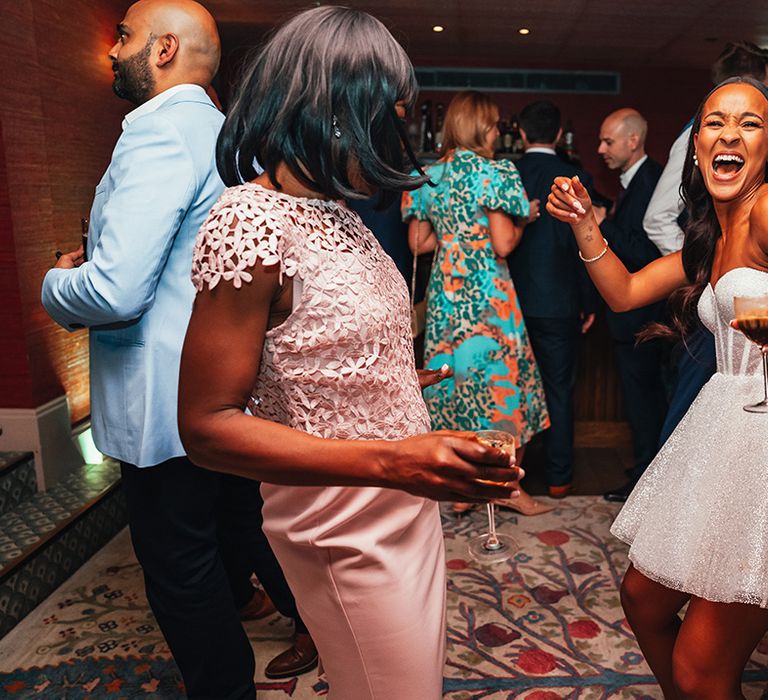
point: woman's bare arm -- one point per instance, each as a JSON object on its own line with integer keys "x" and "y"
{"x": 421, "y": 236}
{"x": 505, "y": 233}
{"x": 219, "y": 365}
{"x": 569, "y": 201}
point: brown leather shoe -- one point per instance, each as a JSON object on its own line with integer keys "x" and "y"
{"x": 560, "y": 491}
{"x": 258, "y": 607}
{"x": 298, "y": 659}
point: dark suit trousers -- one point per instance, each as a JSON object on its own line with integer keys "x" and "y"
{"x": 644, "y": 398}
{"x": 555, "y": 343}
{"x": 179, "y": 515}
{"x": 695, "y": 365}
{"x": 248, "y": 551}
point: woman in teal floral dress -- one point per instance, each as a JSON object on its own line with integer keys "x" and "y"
{"x": 474, "y": 322}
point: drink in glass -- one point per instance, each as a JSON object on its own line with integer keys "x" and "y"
{"x": 493, "y": 547}
{"x": 752, "y": 321}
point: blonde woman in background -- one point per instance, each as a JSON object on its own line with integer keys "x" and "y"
{"x": 474, "y": 322}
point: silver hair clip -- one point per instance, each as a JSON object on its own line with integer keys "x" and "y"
{"x": 336, "y": 130}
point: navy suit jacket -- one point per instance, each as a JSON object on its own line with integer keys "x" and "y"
{"x": 628, "y": 240}
{"x": 549, "y": 278}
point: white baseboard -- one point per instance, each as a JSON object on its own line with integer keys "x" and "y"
{"x": 47, "y": 432}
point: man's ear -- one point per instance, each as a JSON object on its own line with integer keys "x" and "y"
{"x": 634, "y": 142}
{"x": 169, "y": 45}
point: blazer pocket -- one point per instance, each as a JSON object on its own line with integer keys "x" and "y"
{"x": 118, "y": 338}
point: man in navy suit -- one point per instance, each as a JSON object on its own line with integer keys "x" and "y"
{"x": 622, "y": 147}
{"x": 192, "y": 529}
{"x": 554, "y": 291}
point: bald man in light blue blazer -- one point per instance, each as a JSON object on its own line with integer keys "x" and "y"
{"x": 135, "y": 295}
{"x": 135, "y": 292}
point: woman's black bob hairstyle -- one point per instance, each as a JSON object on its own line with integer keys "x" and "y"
{"x": 320, "y": 96}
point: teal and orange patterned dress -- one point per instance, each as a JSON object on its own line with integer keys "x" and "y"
{"x": 474, "y": 322}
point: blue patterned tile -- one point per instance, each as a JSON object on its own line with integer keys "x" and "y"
{"x": 42, "y": 514}
{"x": 17, "y": 479}
{"x": 24, "y": 588}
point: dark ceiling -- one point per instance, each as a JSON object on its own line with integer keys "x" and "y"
{"x": 565, "y": 34}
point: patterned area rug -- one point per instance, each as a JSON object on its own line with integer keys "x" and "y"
{"x": 545, "y": 625}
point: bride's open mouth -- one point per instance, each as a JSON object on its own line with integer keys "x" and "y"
{"x": 726, "y": 166}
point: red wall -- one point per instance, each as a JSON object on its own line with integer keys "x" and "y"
{"x": 59, "y": 121}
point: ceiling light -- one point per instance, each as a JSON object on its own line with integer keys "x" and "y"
{"x": 523, "y": 31}
{"x": 438, "y": 28}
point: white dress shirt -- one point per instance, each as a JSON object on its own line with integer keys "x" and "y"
{"x": 660, "y": 221}
{"x": 541, "y": 149}
{"x": 160, "y": 99}
{"x": 626, "y": 177}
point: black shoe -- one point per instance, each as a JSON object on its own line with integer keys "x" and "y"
{"x": 620, "y": 494}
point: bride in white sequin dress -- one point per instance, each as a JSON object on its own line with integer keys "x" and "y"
{"x": 303, "y": 319}
{"x": 697, "y": 522}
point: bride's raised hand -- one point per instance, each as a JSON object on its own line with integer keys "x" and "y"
{"x": 569, "y": 200}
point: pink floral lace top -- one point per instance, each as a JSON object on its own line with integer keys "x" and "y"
{"x": 341, "y": 365}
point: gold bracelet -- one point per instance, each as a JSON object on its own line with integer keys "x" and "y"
{"x": 598, "y": 256}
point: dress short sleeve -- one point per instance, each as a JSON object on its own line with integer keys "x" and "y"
{"x": 241, "y": 230}
{"x": 504, "y": 189}
{"x": 414, "y": 204}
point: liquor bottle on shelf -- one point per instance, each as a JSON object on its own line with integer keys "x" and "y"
{"x": 568, "y": 144}
{"x": 413, "y": 136}
{"x": 427, "y": 137}
{"x": 440, "y": 117}
{"x": 506, "y": 136}
{"x": 517, "y": 139}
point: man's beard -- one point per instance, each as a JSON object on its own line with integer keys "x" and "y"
{"x": 133, "y": 77}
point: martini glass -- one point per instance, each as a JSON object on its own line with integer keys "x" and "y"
{"x": 493, "y": 547}
{"x": 752, "y": 321}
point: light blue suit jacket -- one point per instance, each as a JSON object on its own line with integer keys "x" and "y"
{"x": 135, "y": 292}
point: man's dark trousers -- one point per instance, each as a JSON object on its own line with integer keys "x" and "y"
{"x": 555, "y": 343}
{"x": 174, "y": 513}
{"x": 250, "y": 552}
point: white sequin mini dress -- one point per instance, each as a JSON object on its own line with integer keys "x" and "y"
{"x": 697, "y": 521}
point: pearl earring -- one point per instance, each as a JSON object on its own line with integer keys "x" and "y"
{"x": 695, "y": 160}
{"x": 336, "y": 130}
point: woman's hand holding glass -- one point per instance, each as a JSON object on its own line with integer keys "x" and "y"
{"x": 450, "y": 465}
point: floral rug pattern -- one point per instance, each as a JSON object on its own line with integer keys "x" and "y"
{"x": 545, "y": 625}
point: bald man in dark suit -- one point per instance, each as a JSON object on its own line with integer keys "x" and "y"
{"x": 622, "y": 147}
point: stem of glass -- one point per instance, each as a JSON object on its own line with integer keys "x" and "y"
{"x": 493, "y": 542}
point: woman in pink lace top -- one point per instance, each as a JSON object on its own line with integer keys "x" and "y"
{"x": 302, "y": 318}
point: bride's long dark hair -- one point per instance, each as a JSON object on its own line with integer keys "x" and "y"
{"x": 701, "y": 234}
